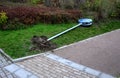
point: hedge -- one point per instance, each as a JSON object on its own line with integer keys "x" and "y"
{"x": 33, "y": 15}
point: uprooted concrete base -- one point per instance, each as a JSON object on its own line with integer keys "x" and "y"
{"x": 41, "y": 43}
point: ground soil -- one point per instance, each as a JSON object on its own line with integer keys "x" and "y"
{"x": 41, "y": 43}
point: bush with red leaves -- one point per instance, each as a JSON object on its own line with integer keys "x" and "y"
{"x": 32, "y": 15}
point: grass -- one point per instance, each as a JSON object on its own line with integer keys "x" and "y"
{"x": 16, "y": 43}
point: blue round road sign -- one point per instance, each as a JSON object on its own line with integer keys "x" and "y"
{"x": 85, "y": 21}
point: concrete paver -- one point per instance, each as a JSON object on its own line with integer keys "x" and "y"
{"x": 19, "y": 71}
{"x": 12, "y": 68}
{"x": 100, "y": 53}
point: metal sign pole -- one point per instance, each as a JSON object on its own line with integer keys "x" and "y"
{"x": 53, "y": 37}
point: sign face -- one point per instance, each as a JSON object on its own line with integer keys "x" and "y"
{"x": 85, "y": 21}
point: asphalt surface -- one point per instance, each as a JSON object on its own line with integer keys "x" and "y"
{"x": 101, "y": 53}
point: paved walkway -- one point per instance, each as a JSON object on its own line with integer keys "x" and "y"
{"x": 100, "y": 53}
{"x": 44, "y": 66}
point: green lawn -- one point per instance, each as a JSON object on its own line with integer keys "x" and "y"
{"x": 16, "y": 43}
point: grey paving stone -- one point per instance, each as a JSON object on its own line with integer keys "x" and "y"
{"x": 2, "y": 74}
{"x": 12, "y": 68}
{"x": 23, "y": 73}
{"x": 65, "y": 61}
{"x": 10, "y": 76}
{"x": 33, "y": 76}
{"x": 6, "y": 74}
{"x": 92, "y": 71}
{"x": 106, "y": 76}
{"x": 78, "y": 66}
{"x": 19, "y": 72}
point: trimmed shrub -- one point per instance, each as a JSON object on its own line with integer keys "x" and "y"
{"x": 116, "y": 12}
{"x": 100, "y": 9}
{"x": 36, "y": 1}
{"x": 12, "y": 25}
{"x": 21, "y": 1}
{"x": 33, "y": 15}
{"x": 3, "y": 19}
{"x": 118, "y": 9}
